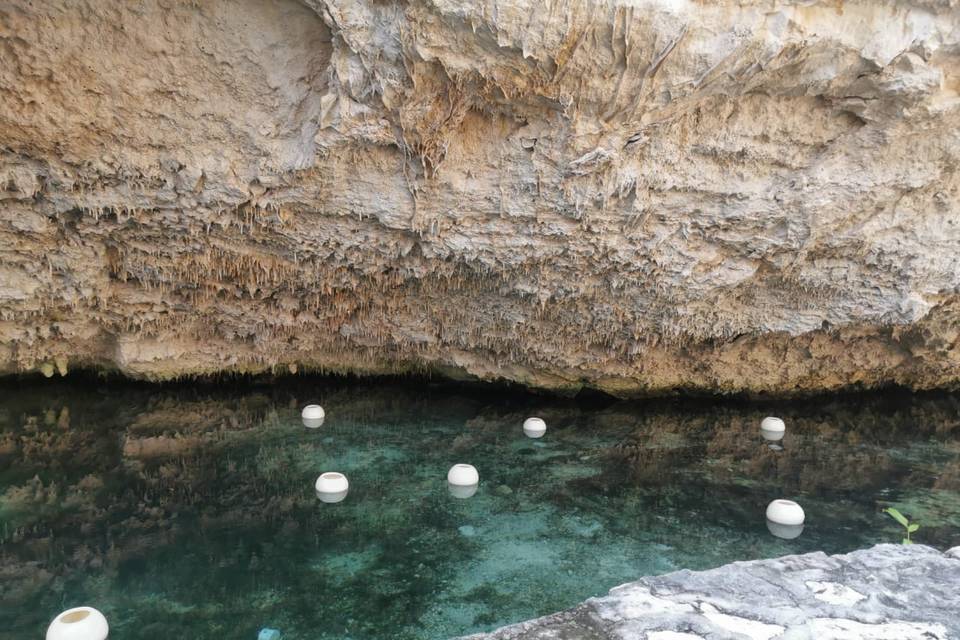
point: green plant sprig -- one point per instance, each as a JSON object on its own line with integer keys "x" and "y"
{"x": 910, "y": 527}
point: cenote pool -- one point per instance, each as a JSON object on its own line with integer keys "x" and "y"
{"x": 190, "y": 512}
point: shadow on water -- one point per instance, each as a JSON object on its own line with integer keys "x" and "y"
{"x": 189, "y": 512}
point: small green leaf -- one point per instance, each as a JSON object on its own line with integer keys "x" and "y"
{"x": 907, "y": 541}
{"x": 913, "y": 528}
{"x": 896, "y": 515}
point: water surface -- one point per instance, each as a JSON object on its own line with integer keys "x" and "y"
{"x": 190, "y": 512}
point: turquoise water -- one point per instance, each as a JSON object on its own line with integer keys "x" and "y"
{"x": 190, "y": 512}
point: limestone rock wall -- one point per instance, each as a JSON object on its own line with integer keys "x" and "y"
{"x": 632, "y": 196}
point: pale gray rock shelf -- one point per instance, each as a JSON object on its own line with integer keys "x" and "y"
{"x": 889, "y": 592}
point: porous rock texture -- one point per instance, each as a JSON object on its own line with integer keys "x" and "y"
{"x": 885, "y": 593}
{"x": 634, "y": 196}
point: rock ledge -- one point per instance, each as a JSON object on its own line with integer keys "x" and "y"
{"x": 887, "y": 592}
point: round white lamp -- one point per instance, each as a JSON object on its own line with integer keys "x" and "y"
{"x": 534, "y": 427}
{"x": 462, "y": 480}
{"x": 313, "y": 416}
{"x": 785, "y": 512}
{"x": 463, "y": 475}
{"x": 772, "y": 429}
{"x": 79, "y": 623}
{"x": 332, "y": 487}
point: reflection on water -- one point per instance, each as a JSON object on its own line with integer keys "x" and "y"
{"x": 192, "y": 513}
{"x": 785, "y": 531}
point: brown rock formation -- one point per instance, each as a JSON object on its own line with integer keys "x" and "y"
{"x": 629, "y": 196}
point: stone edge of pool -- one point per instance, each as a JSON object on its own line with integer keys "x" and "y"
{"x": 888, "y": 591}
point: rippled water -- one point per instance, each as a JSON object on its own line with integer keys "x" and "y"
{"x": 190, "y": 513}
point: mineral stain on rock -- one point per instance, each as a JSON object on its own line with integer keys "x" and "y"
{"x": 633, "y": 197}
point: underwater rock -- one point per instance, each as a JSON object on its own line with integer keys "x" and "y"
{"x": 888, "y": 591}
{"x": 268, "y": 634}
{"x": 628, "y": 196}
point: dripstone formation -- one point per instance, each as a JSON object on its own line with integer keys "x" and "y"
{"x": 630, "y": 196}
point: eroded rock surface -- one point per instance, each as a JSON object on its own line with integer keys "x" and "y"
{"x": 632, "y": 196}
{"x": 887, "y": 592}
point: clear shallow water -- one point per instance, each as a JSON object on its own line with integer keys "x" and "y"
{"x": 190, "y": 513}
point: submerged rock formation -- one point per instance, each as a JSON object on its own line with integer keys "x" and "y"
{"x": 907, "y": 593}
{"x": 630, "y": 196}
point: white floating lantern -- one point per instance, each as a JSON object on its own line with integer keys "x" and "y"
{"x": 785, "y": 512}
{"x": 313, "y": 416}
{"x": 79, "y": 623}
{"x": 462, "y": 491}
{"x": 332, "y": 487}
{"x": 772, "y": 429}
{"x": 785, "y": 531}
{"x": 462, "y": 480}
{"x": 463, "y": 475}
{"x": 534, "y": 427}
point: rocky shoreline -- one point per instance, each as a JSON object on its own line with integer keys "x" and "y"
{"x": 888, "y": 592}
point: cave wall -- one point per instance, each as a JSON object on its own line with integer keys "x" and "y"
{"x": 631, "y": 196}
